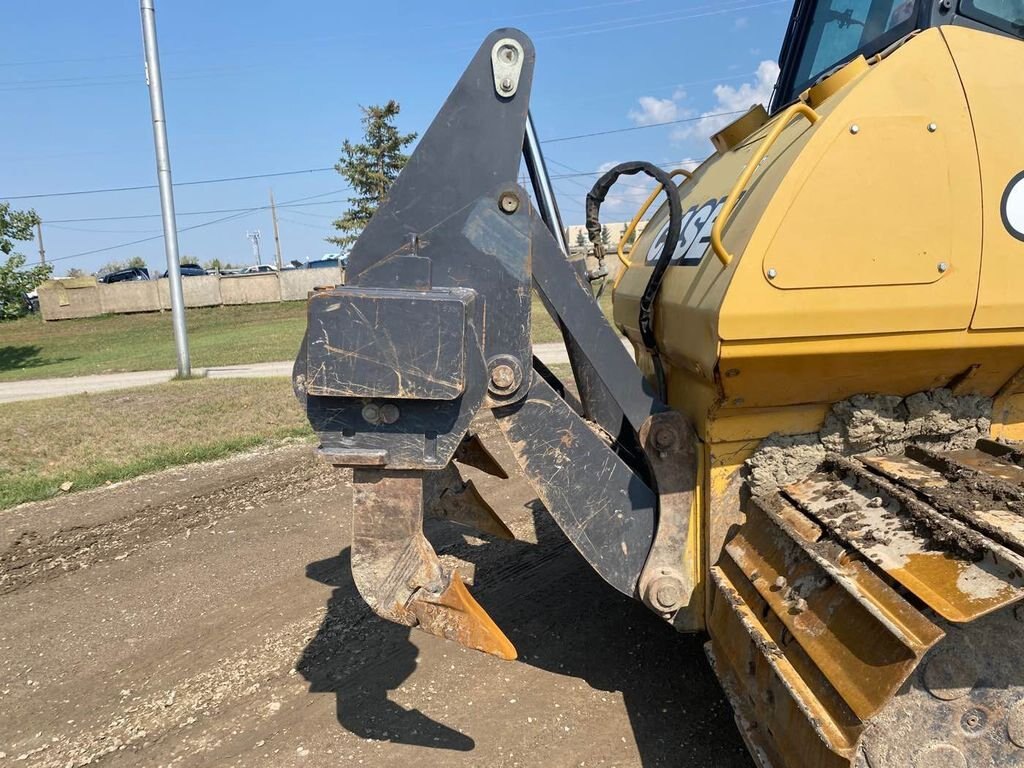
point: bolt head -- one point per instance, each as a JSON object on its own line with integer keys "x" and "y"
{"x": 371, "y": 413}
{"x": 503, "y": 377}
{"x": 943, "y": 266}
{"x": 389, "y": 413}
{"x": 508, "y": 202}
{"x": 854, "y": 129}
{"x": 932, "y": 127}
{"x": 772, "y": 273}
{"x": 506, "y": 85}
{"x": 666, "y": 593}
{"x": 663, "y": 438}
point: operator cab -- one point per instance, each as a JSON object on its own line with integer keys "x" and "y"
{"x": 825, "y": 34}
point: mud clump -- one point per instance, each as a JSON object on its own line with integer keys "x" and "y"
{"x": 872, "y": 425}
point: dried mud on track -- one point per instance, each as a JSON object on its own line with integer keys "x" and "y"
{"x": 206, "y": 616}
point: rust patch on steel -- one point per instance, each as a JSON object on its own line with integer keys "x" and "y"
{"x": 456, "y": 615}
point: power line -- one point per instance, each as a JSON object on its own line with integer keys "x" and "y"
{"x": 617, "y": 25}
{"x": 243, "y": 213}
{"x": 249, "y": 177}
{"x": 202, "y": 213}
{"x": 154, "y": 237}
{"x": 642, "y": 127}
{"x": 177, "y": 184}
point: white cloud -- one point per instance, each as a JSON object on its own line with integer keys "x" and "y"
{"x": 742, "y": 22}
{"x": 730, "y": 98}
{"x": 654, "y": 110}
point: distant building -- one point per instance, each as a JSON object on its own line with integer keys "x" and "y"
{"x": 616, "y": 230}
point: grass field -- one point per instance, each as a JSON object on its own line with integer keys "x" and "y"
{"x": 544, "y": 328}
{"x": 32, "y": 349}
{"x": 89, "y": 440}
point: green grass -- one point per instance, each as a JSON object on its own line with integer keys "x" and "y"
{"x": 258, "y": 333}
{"x": 89, "y": 440}
{"x": 544, "y": 328}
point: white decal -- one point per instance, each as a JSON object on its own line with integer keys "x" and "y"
{"x": 694, "y": 235}
{"x": 1013, "y": 207}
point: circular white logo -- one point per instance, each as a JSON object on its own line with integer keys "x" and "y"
{"x": 1013, "y": 207}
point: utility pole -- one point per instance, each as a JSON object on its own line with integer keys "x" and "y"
{"x": 277, "y": 235}
{"x": 163, "y": 171}
{"x": 42, "y": 251}
{"x": 254, "y": 235}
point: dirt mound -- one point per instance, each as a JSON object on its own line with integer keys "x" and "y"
{"x": 872, "y": 425}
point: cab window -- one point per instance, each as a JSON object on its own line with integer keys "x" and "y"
{"x": 1007, "y": 15}
{"x": 841, "y": 29}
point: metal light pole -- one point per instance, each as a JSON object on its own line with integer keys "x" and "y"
{"x": 163, "y": 170}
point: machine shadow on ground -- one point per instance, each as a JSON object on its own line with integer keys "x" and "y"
{"x": 562, "y": 618}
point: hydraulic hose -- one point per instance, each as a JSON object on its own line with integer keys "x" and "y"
{"x": 595, "y": 198}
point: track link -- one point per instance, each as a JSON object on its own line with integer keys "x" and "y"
{"x": 864, "y": 615}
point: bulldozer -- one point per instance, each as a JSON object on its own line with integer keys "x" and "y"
{"x": 809, "y": 447}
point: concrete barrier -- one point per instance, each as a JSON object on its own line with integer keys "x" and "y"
{"x": 297, "y": 283}
{"x": 66, "y": 299}
{"x": 199, "y": 291}
{"x": 83, "y": 297}
{"x": 130, "y": 296}
{"x": 250, "y": 289}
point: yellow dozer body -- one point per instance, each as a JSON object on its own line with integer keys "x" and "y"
{"x": 866, "y": 239}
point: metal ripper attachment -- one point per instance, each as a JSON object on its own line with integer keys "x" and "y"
{"x": 398, "y": 573}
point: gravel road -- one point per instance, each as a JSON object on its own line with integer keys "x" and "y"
{"x": 205, "y": 616}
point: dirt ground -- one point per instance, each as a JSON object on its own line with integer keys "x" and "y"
{"x": 206, "y": 616}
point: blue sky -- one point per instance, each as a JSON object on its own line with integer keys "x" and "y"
{"x": 270, "y": 87}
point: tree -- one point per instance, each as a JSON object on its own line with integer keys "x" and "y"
{"x": 214, "y": 264}
{"x": 117, "y": 266}
{"x": 370, "y": 168}
{"x": 632, "y": 237}
{"x": 76, "y": 272}
{"x": 15, "y": 278}
{"x": 581, "y": 239}
{"x": 606, "y": 236}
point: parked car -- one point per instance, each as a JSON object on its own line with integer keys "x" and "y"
{"x": 125, "y": 275}
{"x": 189, "y": 270}
{"x": 327, "y": 261}
{"x": 259, "y": 269}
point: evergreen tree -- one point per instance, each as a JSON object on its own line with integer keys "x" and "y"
{"x": 370, "y": 168}
{"x": 606, "y": 236}
{"x": 581, "y": 239}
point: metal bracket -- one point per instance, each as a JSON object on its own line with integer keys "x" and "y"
{"x": 665, "y": 585}
{"x": 506, "y": 63}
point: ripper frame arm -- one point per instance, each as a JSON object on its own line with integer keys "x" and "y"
{"x": 434, "y": 324}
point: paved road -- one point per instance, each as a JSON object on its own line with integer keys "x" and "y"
{"x": 38, "y": 389}
{"x": 206, "y": 616}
